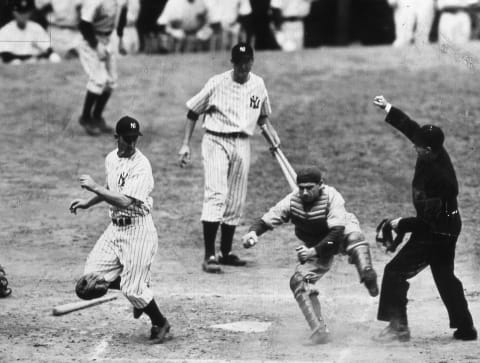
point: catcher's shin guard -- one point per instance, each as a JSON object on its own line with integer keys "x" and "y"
{"x": 310, "y": 307}
{"x": 360, "y": 256}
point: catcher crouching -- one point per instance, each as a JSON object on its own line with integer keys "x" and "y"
{"x": 326, "y": 229}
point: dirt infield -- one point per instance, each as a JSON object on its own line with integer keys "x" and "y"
{"x": 322, "y": 110}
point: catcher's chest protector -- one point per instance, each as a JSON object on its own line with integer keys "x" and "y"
{"x": 310, "y": 224}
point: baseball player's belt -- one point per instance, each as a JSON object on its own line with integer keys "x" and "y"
{"x": 122, "y": 222}
{"x": 233, "y": 135}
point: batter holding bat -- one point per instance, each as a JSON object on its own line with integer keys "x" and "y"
{"x": 324, "y": 226}
{"x": 233, "y": 103}
{"x": 123, "y": 255}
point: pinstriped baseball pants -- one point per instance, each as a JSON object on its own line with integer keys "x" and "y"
{"x": 102, "y": 74}
{"x": 226, "y": 162}
{"x": 127, "y": 252}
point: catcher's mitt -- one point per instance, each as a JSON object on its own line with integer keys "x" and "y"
{"x": 4, "y": 289}
{"x": 91, "y": 286}
{"x": 385, "y": 236}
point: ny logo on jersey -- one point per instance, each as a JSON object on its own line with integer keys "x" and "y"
{"x": 254, "y": 102}
{"x": 121, "y": 179}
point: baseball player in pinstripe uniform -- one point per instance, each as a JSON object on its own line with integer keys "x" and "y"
{"x": 325, "y": 227}
{"x": 97, "y": 22}
{"x": 233, "y": 103}
{"x": 123, "y": 255}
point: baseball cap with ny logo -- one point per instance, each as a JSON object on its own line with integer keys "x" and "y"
{"x": 128, "y": 126}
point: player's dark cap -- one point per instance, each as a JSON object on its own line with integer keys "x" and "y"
{"x": 242, "y": 52}
{"x": 128, "y": 126}
{"x": 309, "y": 174}
{"x": 23, "y": 6}
{"x": 429, "y": 136}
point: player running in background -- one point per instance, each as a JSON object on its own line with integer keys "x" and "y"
{"x": 123, "y": 255}
{"x": 325, "y": 228}
{"x": 233, "y": 103}
{"x": 97, "y": 22}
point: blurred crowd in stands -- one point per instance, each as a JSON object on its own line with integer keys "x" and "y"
{"x": 49, "y": 29}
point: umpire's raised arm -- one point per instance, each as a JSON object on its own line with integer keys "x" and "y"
{"x": 397, "y": 118}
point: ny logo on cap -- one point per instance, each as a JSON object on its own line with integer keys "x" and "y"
{"x": 242, "y": 49}
{"x": 132, "y": 125}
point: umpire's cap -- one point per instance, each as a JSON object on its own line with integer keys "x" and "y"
{"x": 23, "y": 6}
{"x": 429, "y": 136}
{"x": 242, "y": 52}
{"x": 128, "y": 126}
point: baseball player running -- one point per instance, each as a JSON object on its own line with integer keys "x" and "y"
{"x": 97, "y": 22}
{"x": 123, "y": 255}
{"x": 233, "y": 103}
{"x": 324, "y": 226}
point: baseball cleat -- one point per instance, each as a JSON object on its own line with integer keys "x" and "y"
{"x": 211, "y": 265}
{"x": 391, "y": 334}
{"x": 158, "y": 333}
{"x": 465, "y": 334}
{"x": 89, "y": 127}
{"x": 370, "y": 281}
{"x": 137, "y": 313}
{"x": 320, "y": 337}
{"x": 231, "y": 260}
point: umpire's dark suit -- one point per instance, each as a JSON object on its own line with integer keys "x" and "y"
{"x": 435, "y": 230}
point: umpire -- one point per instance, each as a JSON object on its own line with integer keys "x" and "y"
{"x": 434, "y": 233}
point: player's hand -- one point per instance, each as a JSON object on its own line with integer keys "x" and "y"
{"x": 380, "y": 102}
{"x": 304, "y": 253}
{"x": 250, "y": 239}
{"x": 87, "y": 182}
{"x": 78, "y": 204}
{"x": 102, "y": 51}
{"x": 184, "y": 156}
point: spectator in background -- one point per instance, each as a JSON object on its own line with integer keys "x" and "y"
{"x": 63, "y": 18}
{"x": 186, "y": 23}
{"x": 455, "y": 24}
{"x": 288, "y": 18}
{"x": 146, "y": 24}
{"x": 413, "y": 21}
{"x": 130, "y": 38}
{"x": 261, "y": 33}
{"x": 229, "y": 21}
{"x": 22, "y": 40}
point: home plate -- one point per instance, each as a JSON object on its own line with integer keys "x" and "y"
{"x": 244, "y": 326}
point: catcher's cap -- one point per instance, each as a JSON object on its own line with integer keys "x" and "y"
{"x": 23, "y": 6}
{"x": 309, "y": 174}
{"x": 429, "y": 136}
{"x": 242, "y": 52}
{"x": 128, "y": 126}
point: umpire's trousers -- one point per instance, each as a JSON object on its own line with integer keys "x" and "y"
{"x": 421, "y": 250}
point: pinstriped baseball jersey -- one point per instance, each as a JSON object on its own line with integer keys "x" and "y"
{"x": 230, "y": 106}
{"x": 102, "y": 14}
{"x": 132, "y": 177}
{"x": 127, "y": 248}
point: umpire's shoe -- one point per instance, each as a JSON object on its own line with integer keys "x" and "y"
{"x": 211, "y": 265}
{"x": 231, "y": 260}
{"x": 465, "y": 333}
{"x": 89, "y": 126}
{"x": 158, "y": 334}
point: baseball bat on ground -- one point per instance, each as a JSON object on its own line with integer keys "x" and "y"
{"x": 282, "y": 160}
{"x": 78, "y": 305}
